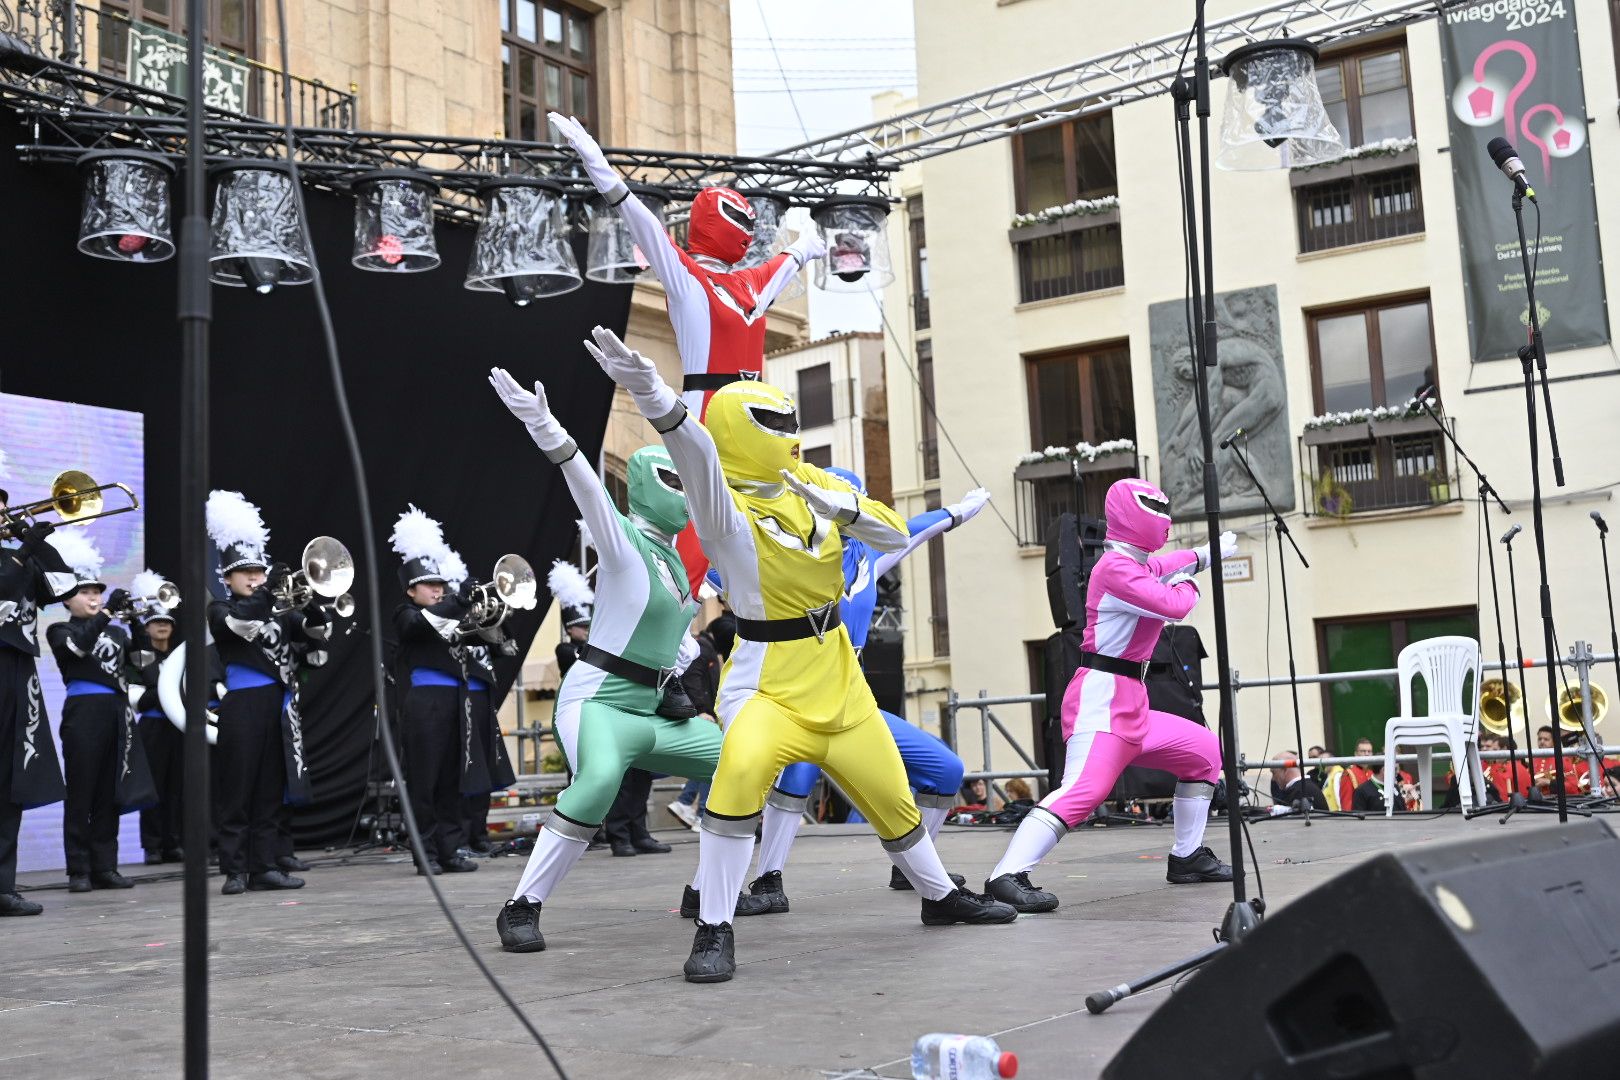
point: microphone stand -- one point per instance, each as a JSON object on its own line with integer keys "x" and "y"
{"x": 1533, "y": 357}
{"x": 1282, "y": 571}
{"x": 1608, "y": 590}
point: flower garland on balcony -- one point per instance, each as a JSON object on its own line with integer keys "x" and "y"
{"x": 1084, "y": 451}
{"x": 1078, "y": 208}
{"x": 1381, "y": 148}
{"x": 1364, "y": 416}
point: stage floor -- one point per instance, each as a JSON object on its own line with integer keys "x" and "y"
{"x": 357, "y": 975}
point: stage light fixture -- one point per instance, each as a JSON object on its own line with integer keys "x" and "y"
{"x": 522, "y": 245}
{"x": 611, "y": 254}
{"x": 770, "y": 236}
{"x": 258, "y": 239}
{"x": 1274, "y": 116}
{"x": 126, "y": 206}
{"x": 393, "y": 222}
{"x": 854, "y": 228}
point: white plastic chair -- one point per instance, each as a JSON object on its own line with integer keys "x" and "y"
{"x": 1445, "y": 664}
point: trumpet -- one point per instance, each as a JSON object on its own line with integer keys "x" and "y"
{"x": 138, "y": 607}
{"x": 75, "y": 497}
{"x": 1569, "y": 707}
{"x": 1500, "y": 703}
{"x": 326, "y": 570}
{"x": 512, "y": 586}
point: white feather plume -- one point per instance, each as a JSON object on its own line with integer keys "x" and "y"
{"x": 569, "y": 586}
{"x": 235, "y": 522}
{"x": 417, "y": 536}
{"x": 78, "y": 551}
{"x": 585, "y": 539}
{"x": 452, "y": 567}
{"x": 146, "y": 583}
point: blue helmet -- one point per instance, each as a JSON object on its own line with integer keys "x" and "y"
{"x": 848, "y": 477}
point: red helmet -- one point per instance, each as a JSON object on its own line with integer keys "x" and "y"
{"x": 722, "y": 225}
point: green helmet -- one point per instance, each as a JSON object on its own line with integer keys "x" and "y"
{"x": 655, "y": 490}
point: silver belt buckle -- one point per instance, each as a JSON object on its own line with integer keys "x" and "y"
{"x": 820, "y": 618}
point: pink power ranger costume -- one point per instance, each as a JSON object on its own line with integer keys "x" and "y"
{"x": 1107, "y": 724}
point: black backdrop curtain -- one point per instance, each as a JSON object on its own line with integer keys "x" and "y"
{"x": 415, "y": 348}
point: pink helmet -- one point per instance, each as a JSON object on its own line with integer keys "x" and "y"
{"x": 1138, "y": 514}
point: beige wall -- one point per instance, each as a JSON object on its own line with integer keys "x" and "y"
{"x": 856, "y": 363}
{"x": 1403, "y": 562}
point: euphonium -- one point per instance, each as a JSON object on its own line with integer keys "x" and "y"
{"x": 1569, "y": 707}
{"x": 1500, "y": 703}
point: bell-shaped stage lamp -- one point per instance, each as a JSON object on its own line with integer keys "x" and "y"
{"x": 126, "y": 206}
{"x": 855, "y": 229}
{"x": 522, "y": 245}
{"x": 771, "y": 235}
{"x": 1274, "y": 116}
{"x": 393, "y": 222}
{"x": 612, "y": 255}
{"x": 258, "y": 240}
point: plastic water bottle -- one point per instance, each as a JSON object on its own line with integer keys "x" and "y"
{"x": 960, "y": 1057}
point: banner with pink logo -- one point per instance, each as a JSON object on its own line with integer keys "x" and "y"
{"x": 1513, "y": 70}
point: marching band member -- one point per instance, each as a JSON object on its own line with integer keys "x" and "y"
{"x": 1107, "y": 722}
{"x": 718, "y": 313}
{"x": 478, "y": 675}
{"x": 103, "y": 758}
{"x": 154, "y": 638}
{"x": 932, "y": 769}
{"x": 31, "y": 573}
{"x": 260, "y": 750}
{"x": 611, "y": 712}
{"x": 793, "y": 691}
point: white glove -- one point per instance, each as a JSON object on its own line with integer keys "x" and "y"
{"x": 1228, "y": 549}
{"x": 809, "y": 245}
{"x": 532, "y": 409}
{"x": 839, "y": 506}
{"x": 604, "y": 177}
{"x": 632, "y": 371}
{"x": 970, "y": 504}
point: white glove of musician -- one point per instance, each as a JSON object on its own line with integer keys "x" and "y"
{"x": 839, "y": 506}
{"x": 604, "y": 177}
{"x": 634, "y": 372}
{"x": 1228, "y": 549}
{"x": 535, "y": 412}
{"x": 969, "y": 505}
{"x": 809, "y": 245}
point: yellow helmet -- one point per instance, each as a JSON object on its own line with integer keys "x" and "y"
{"x": 756, "y": 430}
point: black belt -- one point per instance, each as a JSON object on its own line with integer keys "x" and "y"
{"x": 816, "y": 624}
{"x": 652, "y": 678}
{"x": 717, "y": 380}
{"x": 1114, "y": 665}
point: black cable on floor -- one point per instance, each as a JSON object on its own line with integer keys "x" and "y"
{"x": 369, "y": 559}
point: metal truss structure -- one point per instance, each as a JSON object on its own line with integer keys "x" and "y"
{"x": 1103, "y": 82}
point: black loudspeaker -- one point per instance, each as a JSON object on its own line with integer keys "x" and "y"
{"x": 1060, "y": 659}
{"x": 1491, "y": 957}
{"x": 1072, "y": 545}
{"x": 884, "y": 660}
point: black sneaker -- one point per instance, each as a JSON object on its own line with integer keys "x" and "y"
{"x": 78, "y": 883}
{"x": 962, "y": 906}
{"x": 154, "y": 858}
{"x": 769, "y": 887}
{"x": 273, "y": 879}
{"x": 1016, "y": 891}
{"x": 291, "y": 864}
{"x": 12, "y": 904}
{"x": 1200, "y": 866}
{"x": 174, "y": 855}
{"x": 458, "y": 865}
{"x": 519, "y": 927}
{"x": 235, "y": 885}
{"x": 691, "y": 902}
{"x": 110, "y": 879}
{"x": 713, "y": 956}
{"x": 480, "y": 846}
{"x": 900, "y": 883}
{"x": 432, "y": 868}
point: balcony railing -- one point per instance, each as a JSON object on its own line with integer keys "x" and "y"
{"x": 919, "y": 311}
{"x": 1379, "y": 465}
{"x": 1069, "y": 256}
{"x": 930, "y": 458}
{"x": 1359, "y": 208}
{"x": 1047, "y": 489}
{"x": 151, "y": 61}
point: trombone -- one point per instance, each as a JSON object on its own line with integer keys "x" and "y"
{"x": 75, "y": 497}
{"x": 326, "y": 570}
{"x": 512, "y": 587}
{"x": 167, "y": 598}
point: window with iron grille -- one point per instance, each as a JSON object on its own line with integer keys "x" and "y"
{"x": 815, "y": 396}
{"x": 1359, "y": 209}
{"x": 232, "y": 25}
{"x": 930, "y": 425}
{"x": 919, "y": 262}
{"x": 940, "y": 618}
{"x": 548, "y": 62}
{"x": 1059, "y": 164}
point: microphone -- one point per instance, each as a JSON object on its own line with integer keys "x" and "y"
{"x": 1230, "y": 439}
{"x": 1603, "y": 526}
{"x": 1507, "y": 537}
{"x": 1414, "y": 404}
{"x": 1507, "y": 159}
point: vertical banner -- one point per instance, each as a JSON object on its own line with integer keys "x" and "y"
{"x": 1513, "y": 69}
